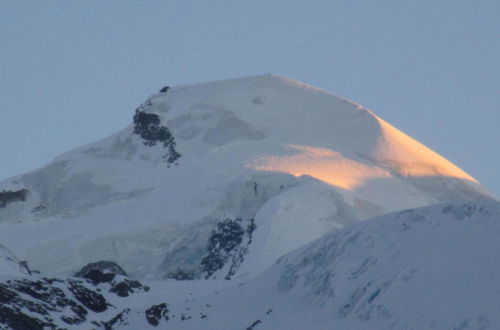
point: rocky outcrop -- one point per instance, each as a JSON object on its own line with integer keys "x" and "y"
{"x": 148, "y": 127}
{"x": 103, "y": 267}
{"x": 33, "y": 302}
{"x": 164, "y": 89}
{"x": 111, "y": 273}
{"x": 9, "y": 196}
{"x": 227, "y": 246}
{"x": 156, "y": 313}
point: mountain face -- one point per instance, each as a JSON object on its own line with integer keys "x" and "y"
{"x": 240, "y": 204}
{"x": 428, "y": 268}
{"x": 30, "y": 301}
{"x": 219, "y": 180}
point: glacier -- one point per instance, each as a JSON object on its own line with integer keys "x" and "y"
{"x": 259, "y": 197}
{"x": 250, "y": 149}
{"x": 433, "y": 267}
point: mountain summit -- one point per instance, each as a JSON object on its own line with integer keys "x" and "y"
{"x": 218, "y": 180}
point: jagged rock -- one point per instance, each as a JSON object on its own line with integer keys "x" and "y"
{"x": 119, "y": 319}
{"x": 155, "y": 313}
{"x": 8, "y": 196}
{"x": 15, "y": 319}
{"x": 172, "y": 155}
{"x": 223, "y": 239}
{"x": 147, "y": 126}
{"x": 126, "y": 287}
{"x": 164, "y": 89}
{"x": 27, "y": 304}
{"x": 111, "y": 273}
{"x": 97, "y": 276}
{"x": 90, "y": 299}
{"x": 43, "y": 303}
{"x": 226, "y": 245}
{"x": 101, "y": 271}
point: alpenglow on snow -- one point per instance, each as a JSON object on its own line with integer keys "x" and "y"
{"x": 218, "y": 180}
{"x": 252, "y": 203}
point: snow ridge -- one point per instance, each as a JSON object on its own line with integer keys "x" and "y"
{"x": 421, "y": 268}
{"x": 220, "y": 180}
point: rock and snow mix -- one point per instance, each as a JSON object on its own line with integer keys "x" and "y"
{"x": 432, "y": 267}
{"x": 211, "y": 184}
{"x": 9, "y": 265}
{"x": 429, "y": 268}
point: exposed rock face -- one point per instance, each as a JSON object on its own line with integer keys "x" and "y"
{"x": 126, "y": 286}
{"x": 157, "y": 312}
{"x": 7, "y": 196}
{"x": 105, "y": 267}
{"x": 227, "y": 247}
{"x": 31, "y": 303}
{"x": 147, "y": 125}
{"x": 218, "y": 255}
{"x": 164, "y": 89}
{"x": 41, "y": 303}
{"x": 111, "y": 273}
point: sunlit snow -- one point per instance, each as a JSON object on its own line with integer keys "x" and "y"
{"x": 252, "y": 148}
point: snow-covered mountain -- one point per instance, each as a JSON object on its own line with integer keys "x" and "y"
{"x": 236, "y": 205}
{"x": 434, "y": 267}
{"x": 219, "y": 180}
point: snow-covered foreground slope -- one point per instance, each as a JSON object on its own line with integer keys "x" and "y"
{"x": 218, "y": 180}
{"x": 434, "y": 267}
{"x": 430, "y": 268}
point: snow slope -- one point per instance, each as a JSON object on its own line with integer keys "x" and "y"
{"x": 429, "y": 268}
{"x": 218, "y": 180}
{"x": 9, "y": 265}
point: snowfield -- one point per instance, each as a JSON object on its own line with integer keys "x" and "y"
{"x": 242, "y": 204}
{"x": 428, "y": 268}
{"x": 10, "y": 265}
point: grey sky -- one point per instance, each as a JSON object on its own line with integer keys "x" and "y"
{"x": 73, "y": 71}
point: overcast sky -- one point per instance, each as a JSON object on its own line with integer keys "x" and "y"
{"x": 72, "y": 72}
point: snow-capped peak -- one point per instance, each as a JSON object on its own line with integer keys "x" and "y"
{"x": 223, "y": 164}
